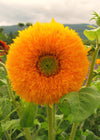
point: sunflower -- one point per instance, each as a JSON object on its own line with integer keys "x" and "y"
{"x": 47, "y": 61}
{"x": 97, "y": 61}
{"x": 3, "y": 47}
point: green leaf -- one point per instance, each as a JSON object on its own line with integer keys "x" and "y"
{"x": 59, "y": 117}
{"x": 19, "y": 136}
{"x": 5, "y": 105}
{"x": 93, "y": 34}
{"x": 28, "y": 115}
{"x": 3, "y": 82}
{"x": 44, "y": 125}
{"x": 83, "y": 103}
{"x": 64, "y": 108}
{"x": 96, "y": 84}
{"x": 36, "y": 122}
{"x": 95, "y": 13}
{"x": 9, "y": 125}
{"x": 92, "y": 136}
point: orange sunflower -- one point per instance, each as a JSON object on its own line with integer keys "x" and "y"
{"x": 46, "y": 62}
{"x": 97, "y": 61}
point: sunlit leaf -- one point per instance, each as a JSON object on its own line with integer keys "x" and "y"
{"x": 92, "y": 34}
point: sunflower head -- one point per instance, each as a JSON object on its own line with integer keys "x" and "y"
{"x": 97, "y": 61}
{"x": 47, "y": 61}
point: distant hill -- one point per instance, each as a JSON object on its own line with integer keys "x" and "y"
{"x": 77, "y": 27}
{"x": 12, "y": 28}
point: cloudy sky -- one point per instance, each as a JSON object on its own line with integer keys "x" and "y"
{"x": 64, "y": 11}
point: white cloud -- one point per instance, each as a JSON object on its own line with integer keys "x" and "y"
{"x": 64, "y": 11}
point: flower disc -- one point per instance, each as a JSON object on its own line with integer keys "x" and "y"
{"x": 48, "y": 65}
{"x": 46, "y": 62}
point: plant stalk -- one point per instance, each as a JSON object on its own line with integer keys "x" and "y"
{"x": 51, "y": 122}
{"x": 27, "y": 133}
{"x": 89, "y": 80}
{"x": 73, "y": 132}
{"x": 7, "y": 135}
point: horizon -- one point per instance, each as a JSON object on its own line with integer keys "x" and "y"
{"x": 63, "y": 24}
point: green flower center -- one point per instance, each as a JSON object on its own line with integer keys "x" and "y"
{"x": 48, "y": 65}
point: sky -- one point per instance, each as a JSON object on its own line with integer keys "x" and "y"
{"x": 64, "y": 11}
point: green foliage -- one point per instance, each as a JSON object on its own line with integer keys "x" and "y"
{"x": 96, "y": 84}
{"x": 79, "y": 101}
{"x": 64, "y": 108}
{"x": 93, "y": 34}
{"x": 2, "y": 82}
{"x": 89, "y": 42}
{"x": 5, "y": 106}
{"x": 28, "y": 24}
{"x": 96, "y": 17}
{"x": 1, "y": 30}
{"x": 21, "y": 25}
{"x": 28, "y": 114}
{"x": 6, "y": 38}
{"x": 91, "y": 136}
{"x": 12, "y": 124}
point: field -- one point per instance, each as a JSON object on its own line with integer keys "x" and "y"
{"x": 77, "y": 114}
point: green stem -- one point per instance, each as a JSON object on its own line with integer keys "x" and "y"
{"x": 73, "y": 132}
{"x": 51, "y": 122}
{"x": 36, "y": 133}
{"x": 92, "y": 64}
{"x": 7, "y": 135}
{"x": 59, "y": 124}
{"x": 54, "y": 118}
{"x": 26, "y": 130}
{"x": 27, "y": 133}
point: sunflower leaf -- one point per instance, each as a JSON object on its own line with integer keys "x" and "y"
{"x": 92, "y": 136}
{"x": 3, "y": 82}
{"x": 12, "y": 124}
{"x": 64, "y": 108}
{"x": 28, "y": 114}
{"x": 83, "y": 103}
{"x": 5, "y": 105}
{"x": 93, "y": 34}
